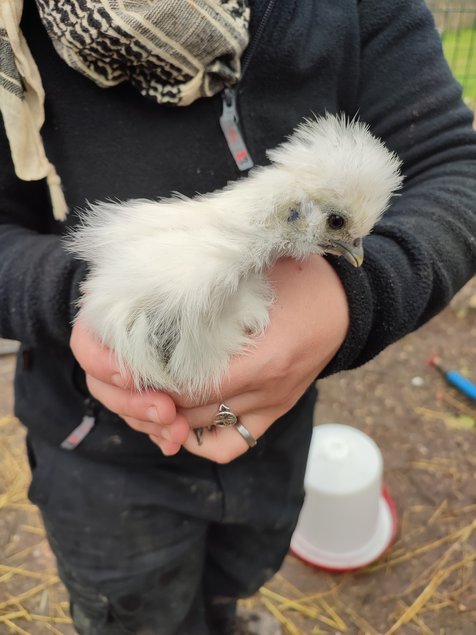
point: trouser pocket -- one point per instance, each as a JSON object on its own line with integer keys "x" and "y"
{"x": 40, "y": 485}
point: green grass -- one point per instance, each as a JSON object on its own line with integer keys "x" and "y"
{"x": 460, "y": 51}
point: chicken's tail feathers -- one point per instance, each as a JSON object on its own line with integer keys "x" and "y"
{"x": 89, "y": 233}
{"x": 105, "y": 223}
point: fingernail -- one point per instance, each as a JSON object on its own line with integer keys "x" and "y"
{"x": 153, "y": 415}
{"x": 166, "y": 434}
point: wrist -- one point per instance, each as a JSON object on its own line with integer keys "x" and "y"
{"x": 356, "y": 287}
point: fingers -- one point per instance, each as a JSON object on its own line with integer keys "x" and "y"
{"x": 262, "y": 404}
{"x": 176, "y": 432}
{"x": 261, "y": 385}
{"x": 254, "y": 410}
{"x": 149, "y": 412}
{"x": 203, "y": 416}
{"x": 220, "y": 445}
{"x": 155, "y": 407}
{"x": 96, "y": 359}
{"x": 223, "y": 445}
{"x": 168, "y": 447}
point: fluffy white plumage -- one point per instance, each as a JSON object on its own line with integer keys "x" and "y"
{"x": 176, "y": 287}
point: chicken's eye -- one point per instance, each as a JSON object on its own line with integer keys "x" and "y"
{"x": 335, "y": 221}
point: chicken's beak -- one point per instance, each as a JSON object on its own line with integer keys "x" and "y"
{"x": 352, "y": 252}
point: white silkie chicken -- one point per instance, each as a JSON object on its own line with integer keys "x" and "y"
{"x": 178, "y": 286}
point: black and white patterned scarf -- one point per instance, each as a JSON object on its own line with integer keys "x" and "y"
{"x": 173, "y": 51}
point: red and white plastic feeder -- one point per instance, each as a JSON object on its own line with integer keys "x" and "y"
{"x": 348, "y": 519}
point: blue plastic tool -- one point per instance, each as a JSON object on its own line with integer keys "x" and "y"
{"x": 464, "y": 385}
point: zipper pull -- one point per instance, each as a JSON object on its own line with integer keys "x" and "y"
{"x": 229, "y": 122}
{"x": 81, "y": 432}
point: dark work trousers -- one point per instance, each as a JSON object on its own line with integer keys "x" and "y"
{"x": 168, "y": 551}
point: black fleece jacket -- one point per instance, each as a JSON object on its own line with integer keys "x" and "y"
{"x": 380, "y": 59}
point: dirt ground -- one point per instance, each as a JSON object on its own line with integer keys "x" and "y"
{"x": 427, "y": 434}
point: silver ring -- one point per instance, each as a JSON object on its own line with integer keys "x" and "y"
{"x": 224, "y": 417}
{"x": 247, "y": 436}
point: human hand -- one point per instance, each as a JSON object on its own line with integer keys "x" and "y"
{"x": 150, "y": 412}
{"x": 309, "y": 322}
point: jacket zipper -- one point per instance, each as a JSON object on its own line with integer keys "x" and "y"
{"x": 229, "y": 120}
{"x": 257, "y": 36}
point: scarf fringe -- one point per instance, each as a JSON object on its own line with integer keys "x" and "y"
{"x": 58, "y": 201}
